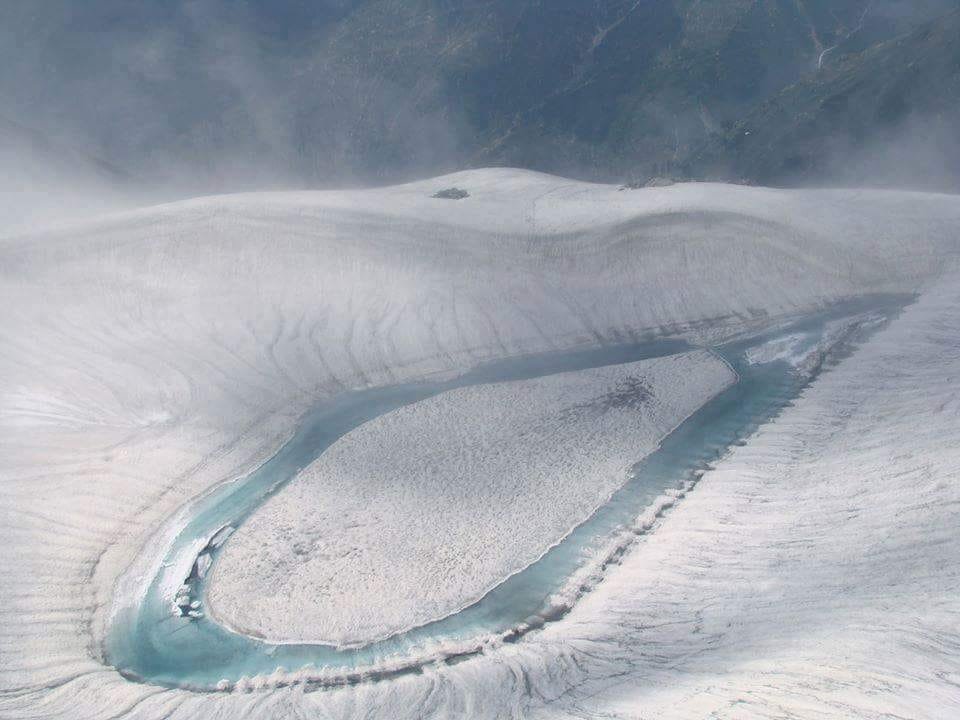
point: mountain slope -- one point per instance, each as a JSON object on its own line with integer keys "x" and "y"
{"x": 214, "y": 95}
{"x": 886, "y": 116}
{"x": 666, "y": 76}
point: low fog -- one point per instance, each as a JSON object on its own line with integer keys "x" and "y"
{"x": 107, "y": 104}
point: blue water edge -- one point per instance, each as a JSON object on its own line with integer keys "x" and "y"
{"x": 168, "y": 640}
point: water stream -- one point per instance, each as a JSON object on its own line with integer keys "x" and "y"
{"x": 165, "y": 638}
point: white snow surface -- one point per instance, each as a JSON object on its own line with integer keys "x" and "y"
{"x": 815, "y": 572}
{"x": 420, "y": 511}
{"x": 147, "y": 356}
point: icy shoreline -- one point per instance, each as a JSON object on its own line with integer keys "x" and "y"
{"x": 665, "y": 477}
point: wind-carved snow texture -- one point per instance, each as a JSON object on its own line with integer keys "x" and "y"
{"x": 146, "y": 357}
{"x": 424, "y": 509}
{"x": 814, "y": 573}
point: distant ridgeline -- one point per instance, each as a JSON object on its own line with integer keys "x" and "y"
{"x": 772, "y": 91}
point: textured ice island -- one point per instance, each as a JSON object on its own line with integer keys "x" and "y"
{"x": 152, "y": 359}
{"x": 424, "y": 509}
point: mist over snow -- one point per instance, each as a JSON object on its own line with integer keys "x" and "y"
{"x": 195, "y": 97}
{"x": 472, "y": 487}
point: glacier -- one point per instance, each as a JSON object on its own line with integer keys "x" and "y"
{"x": 150, "y": 356}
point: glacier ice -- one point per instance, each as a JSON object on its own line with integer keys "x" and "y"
{"x": 148, "y": 356}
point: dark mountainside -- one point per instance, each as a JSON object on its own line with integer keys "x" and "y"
{"x": 887, "y": 116}
{"x": 217, "y": 95}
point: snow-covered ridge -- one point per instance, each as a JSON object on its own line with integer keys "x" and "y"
{"x": 147, "y": 356}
